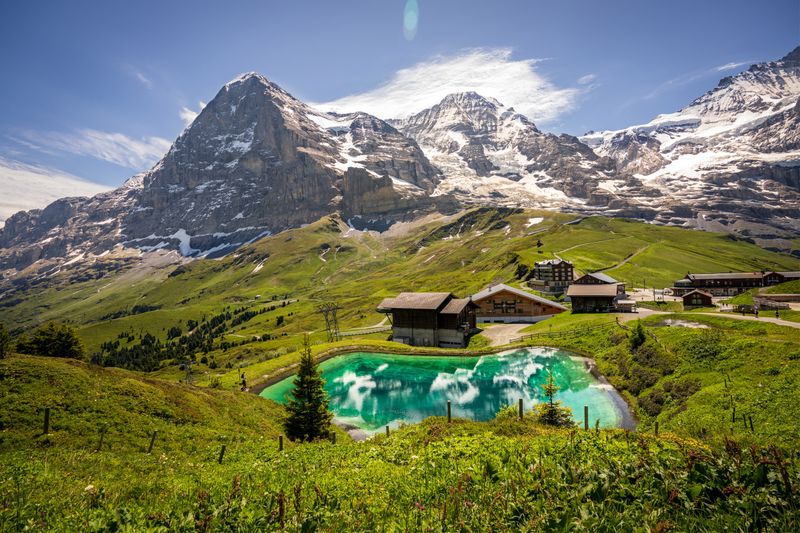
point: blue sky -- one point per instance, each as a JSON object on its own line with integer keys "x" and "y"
{"x": 99, "y": 89}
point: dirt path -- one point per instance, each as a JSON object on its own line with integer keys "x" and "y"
{"x": 751, "y": 318}
{"x": 642, "y": 312}
{"x": 499, "y": 334}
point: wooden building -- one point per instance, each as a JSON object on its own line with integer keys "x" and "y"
{"x": 730, "y": 283}
{"x": 430, "y": 318}
{"x": 503, "y": 303}
{"x": 555, "y": 274}
{"x": 697, "y": 298}
{"x": 598, "y": 293}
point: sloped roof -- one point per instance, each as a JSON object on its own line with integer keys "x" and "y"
{"x": 593, "y": 290}
{"x": 605, "y": 278}
{"x": 697, "y": 291}
{"x": 456, "y": 305}
{"x": 490, "y": 291}
{"x": 430, "y": 301}
{"x": 727, "y": 275}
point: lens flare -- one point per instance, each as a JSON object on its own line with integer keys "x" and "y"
{"x": 410, "y": 19}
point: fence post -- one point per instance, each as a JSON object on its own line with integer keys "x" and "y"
{"x": 333, "y": 437}
{"x": 280, "y": 443}
{"x": 751, "y": 422}
{"x": 46, "y": 421}
{"x": 449, "y": 412}
{"x": 221, "y": 454}
{"x": 102, "y": 437}
{"x": 520, "y": 408}
{"x": 656, "y": 428}
{"x": 586, "y": 417}
{"x": 733, "y": 417}
{"x": 387, "y": 431}
{"x": 152, "y": 441}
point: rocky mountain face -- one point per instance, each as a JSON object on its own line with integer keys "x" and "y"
{"x": 254, "y": 162}
{"x": 257, "y": 161}
{"x": 489, "y": 153}
{"x": 729, "y": 161}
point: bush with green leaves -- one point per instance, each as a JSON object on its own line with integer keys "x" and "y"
{"x": 52, "y": 340}
{"x": 5, "y": 341}
{"x": 637, "y": 336}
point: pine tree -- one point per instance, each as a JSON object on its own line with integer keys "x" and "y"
{"x": 309, "y": 417}
{"x": 552, "y": 412}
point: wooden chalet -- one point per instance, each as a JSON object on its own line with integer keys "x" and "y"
{"x": 430, "y": 318}
{"x": 503, "y": 303}
{"x": 730, "y": 283}
{"x": 598, "y": 293}
{"x": 697, "y": 298}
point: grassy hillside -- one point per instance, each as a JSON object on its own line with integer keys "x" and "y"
{"x": 691, "y": 378}
{"x": 790, "y": 287}
{"x": 514, "y": 475}
{"x": 86, "y": 399}
{"x": 284, "y": 277}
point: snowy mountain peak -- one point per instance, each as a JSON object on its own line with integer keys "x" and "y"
{"x": 792, "y": 58}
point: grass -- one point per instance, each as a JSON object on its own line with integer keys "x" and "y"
{"x": 461, "y": 255}
{"x": 790, "y": 287}
{"x": 515, "y": 475}
{"x": 660, "y": 305}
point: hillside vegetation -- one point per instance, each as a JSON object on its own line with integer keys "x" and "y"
{"x": 505, "y": 474}
{"x": 252, "y": 305}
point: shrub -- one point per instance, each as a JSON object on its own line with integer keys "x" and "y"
{"x": 52, "y": 340}
{"x": 637, "y": 336}
{"x": 5, "y": 341}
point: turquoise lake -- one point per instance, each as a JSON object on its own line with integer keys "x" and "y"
{"x": 373, "y": 390}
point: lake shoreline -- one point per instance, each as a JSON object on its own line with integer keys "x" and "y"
{"x": 613, "y": 409}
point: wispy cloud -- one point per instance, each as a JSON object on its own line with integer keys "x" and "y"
{"x": 188, "y": 115}
{"x": 139, "y": 76}
{"x": 690, "y": 77}
{"x": 730, "y": 66}
{"x": 489, "y": 72}
{"x": 24, "y": 187}
{"x": 117, "y": 148}
{"x": 587, "y": 79}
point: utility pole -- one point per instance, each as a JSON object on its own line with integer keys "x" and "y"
{"x": 328, "y": 311}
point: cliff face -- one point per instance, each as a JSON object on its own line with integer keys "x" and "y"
{"x": 254, "y": 162}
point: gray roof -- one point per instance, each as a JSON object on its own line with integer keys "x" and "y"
{"x": 489, "y": 291}
{"x": 605, "y": 278}
{"x": 430, "y": 301}
{"x": 456, "y": 305}
{"x": 552, "y": 262}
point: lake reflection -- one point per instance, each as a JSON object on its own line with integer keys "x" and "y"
{"x": 372, "y": 390}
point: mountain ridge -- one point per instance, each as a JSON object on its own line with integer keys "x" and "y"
{"x": 256, "y": 161}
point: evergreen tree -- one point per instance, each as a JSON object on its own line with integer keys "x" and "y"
{"x": 5, "y": 341}
{"x": 52, "y": 340}
{"x": 552, "y": 412}
{"x": 637, "y": 336}
{"x": 309, "y": 418}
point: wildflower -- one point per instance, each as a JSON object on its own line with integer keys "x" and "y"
{"x": 89, "y": 488}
